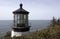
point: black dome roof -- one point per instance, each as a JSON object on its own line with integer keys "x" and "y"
{"x": 20, "y": 10}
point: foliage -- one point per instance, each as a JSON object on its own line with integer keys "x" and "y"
{"x": 7, "y": 34}
{"x": 53, "y": 22}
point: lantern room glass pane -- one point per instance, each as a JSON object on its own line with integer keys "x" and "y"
{"x": 18, "y": 18}
{"x": 21, "y": 18}
{"x": 24, "y": 16}
{"x": 15, "y": 19}
{"x": 25, "y": 19}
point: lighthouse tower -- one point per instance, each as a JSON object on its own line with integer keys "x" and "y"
{"x": 21, "y": 25}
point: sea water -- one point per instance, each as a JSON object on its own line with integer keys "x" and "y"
{"x": 5, "y": 25}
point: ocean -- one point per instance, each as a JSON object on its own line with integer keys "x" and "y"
{"x": 5, "y": 25}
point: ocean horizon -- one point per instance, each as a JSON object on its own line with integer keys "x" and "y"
{"x": 5, "y": 25}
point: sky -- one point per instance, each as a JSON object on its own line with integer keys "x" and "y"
{"x": 39, "y": 9}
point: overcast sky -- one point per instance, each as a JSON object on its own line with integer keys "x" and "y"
{"x": 39, "y": 9}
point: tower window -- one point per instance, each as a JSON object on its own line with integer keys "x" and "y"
{"x": 24, "y": 16}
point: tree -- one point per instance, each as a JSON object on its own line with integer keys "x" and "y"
{"x": 53, "y": 21}
{"x": 58, "y": 21}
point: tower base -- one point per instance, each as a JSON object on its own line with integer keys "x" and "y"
{"x": 16, "y": 34}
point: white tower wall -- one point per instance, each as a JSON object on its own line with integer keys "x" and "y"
{"x": 13, "y": 33}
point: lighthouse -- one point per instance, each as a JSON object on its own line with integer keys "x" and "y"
{"x": 20, "y": 22}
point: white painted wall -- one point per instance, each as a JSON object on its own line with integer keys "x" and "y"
{"x": 17, "y": 33}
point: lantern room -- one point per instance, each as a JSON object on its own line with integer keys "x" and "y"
{"x": 20, "y": 16}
